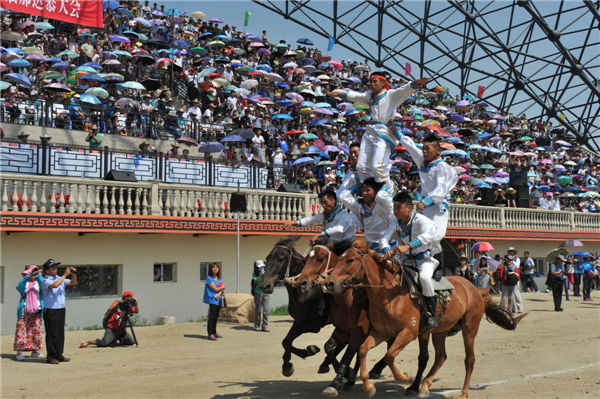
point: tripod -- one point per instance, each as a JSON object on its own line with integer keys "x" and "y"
{"x": 122, "y": 331}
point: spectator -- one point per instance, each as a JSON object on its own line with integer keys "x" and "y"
{"x": 510, "y": 279}
{"x": 529, "y": 270}
{"x": 28, "y": 334}
{"x": 213, "y": 290}
{"x": 94, "y": 138}
{"x": 557, "y": 271}
{"x": 464, "y": 269}
{"x": 261, "y": 300}
{"x": 589, "y": 273}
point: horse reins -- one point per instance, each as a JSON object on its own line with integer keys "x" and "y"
{"x": 292, "y": 255}
{"x": 347, "y": 282}
{"x": 323, "y": 275}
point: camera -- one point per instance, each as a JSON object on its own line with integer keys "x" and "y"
{"x": 127, "y": 305}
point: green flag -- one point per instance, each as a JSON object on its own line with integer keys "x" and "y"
{"x": 247, "y": 18}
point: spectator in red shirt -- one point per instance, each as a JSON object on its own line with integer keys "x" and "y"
{"x": 113, "y": 330}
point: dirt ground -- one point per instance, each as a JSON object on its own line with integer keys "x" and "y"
{"x": 550, "y": 355}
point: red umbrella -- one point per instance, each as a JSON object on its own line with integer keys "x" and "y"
{"x": 293, "y": 132}
{"x": 483, "y": 247}
{"x": 213, "y": 75}
{"x": 408, "y": 119}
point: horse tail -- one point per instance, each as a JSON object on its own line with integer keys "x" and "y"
{"x": 500, "y": 316}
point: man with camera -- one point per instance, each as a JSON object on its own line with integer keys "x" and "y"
{"x": 115, "y": 323}
{"x": 261, "y": 300}
{"x": 54, "y": 309}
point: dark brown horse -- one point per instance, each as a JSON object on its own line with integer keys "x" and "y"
{"x": 311, "y": 310}
{"x": 394, "y": 314}
{"x": 349, "y": 312}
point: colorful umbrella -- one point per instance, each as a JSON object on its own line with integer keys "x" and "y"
{"x": 483, "y": 247}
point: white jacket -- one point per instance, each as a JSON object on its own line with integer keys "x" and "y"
{"x": 341, "y": 228}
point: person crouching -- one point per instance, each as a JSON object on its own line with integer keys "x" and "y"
{"x": 114, "y": 330}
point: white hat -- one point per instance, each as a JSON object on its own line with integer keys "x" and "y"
{"x": 260, "y": 263}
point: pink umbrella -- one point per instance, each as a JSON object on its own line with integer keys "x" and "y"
{"x": 319, "y": 143}
{"x": 401, "y": 162}
{"x": 257, "y": 44}
{"x": 294, "y": 96}
{"x": 464, "y": 177}
{"x": 263, "y": 51}
{"x": 563, "y": 143}
{"x": 274, "y": 77}
{"x": 427, "y": 112}
{"x": 111, "y": 62}
{"x": 337, "y": 64}
{"x": 323, "y": 111}
{"x": 576, "y": 176}
{"x": 331, "y": 148}
{"x": 498, "y": 117}
{"x": 529, "y": 154}
{"x": 36, "y": 57}
{"x": 501, "y": 174}
{"x": 442, "y": 134}
{"x": 3, "y": 67}
{"x": 546, "y": 161}
{"x": 28, "y": 23}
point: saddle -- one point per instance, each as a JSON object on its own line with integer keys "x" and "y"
{"x": 442, "y": 287}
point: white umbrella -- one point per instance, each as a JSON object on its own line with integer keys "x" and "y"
{"x": 291, "y": 65}
{"x": 249, "y": 84}
{"x": 492, "y": 264}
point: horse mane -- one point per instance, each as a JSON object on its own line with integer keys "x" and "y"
{"x": 380, "y": 260}
{"x": 288, "y": 242}
{"x": 338, "y": 248}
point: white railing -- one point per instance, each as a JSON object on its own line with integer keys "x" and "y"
{"x": 90, "y": 196}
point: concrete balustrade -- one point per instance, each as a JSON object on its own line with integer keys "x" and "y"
{"x": 74, "y": 195}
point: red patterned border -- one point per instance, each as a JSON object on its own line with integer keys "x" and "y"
{"x": 81, "y": 223}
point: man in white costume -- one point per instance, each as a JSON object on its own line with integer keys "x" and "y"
{"x": 415, "y": 234}
{"x": 338, "y": 224}
{"x": 437, "y": 180}
{"x": 374, "y": 212}
{"x": 378, "y": 140}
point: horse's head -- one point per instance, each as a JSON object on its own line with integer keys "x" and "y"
{"x": 320, "y": 260}
{"x": 282, "y": 260}
{"x": 348, "y": 269}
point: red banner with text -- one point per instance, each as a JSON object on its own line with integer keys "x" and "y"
{"x": 87, "y": 13}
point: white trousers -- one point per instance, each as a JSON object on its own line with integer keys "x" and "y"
{"x": 439, "y": 216}
{"x": 518, "y": 299}
{"x": 426, "y": 267}
{"x": 374, "y": 160}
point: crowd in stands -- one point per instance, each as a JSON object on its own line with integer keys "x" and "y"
{"x": 159, "y": 73}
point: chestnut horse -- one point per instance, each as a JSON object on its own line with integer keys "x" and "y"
{"x": 349, "y": 312}
{"x": 394, "y": 314}
{"x": 311, "y": 311}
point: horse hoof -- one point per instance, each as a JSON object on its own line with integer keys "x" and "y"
{"x": 374, "y": 376}
{"x": 312, "y": 350}
{"x": 323, "y": 370}
{"x": 330, "y": 392}
{"x": 289, "y": 371}
{"x": 370, "y": 393}
{"x": 347, "y": 387}
{"x": 411, "y": 393}
{"x": 423, "y": 394}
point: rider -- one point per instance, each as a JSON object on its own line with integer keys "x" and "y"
{"x": 338, "y": 224}
{"x": 379, "y": 140}
{"x": 374, "y": 211}
{"x": 415, "y": 234}
{"x": 351, "y": 178}
{"x": 437, "y": 180}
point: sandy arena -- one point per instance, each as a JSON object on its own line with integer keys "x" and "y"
{"x": 550, "y": 355}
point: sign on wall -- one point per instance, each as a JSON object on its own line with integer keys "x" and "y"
{"x": 79, "y": 12}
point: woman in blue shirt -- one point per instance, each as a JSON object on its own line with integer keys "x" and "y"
{"x": 589, "y": 270}
{"x": 213, "y": 289}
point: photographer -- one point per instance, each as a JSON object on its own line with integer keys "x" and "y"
{"x": 261, "y": 300}
{"x": 114, "y": 329}
{"x": 94, "y": 138}
{"x": 54, "y": 309}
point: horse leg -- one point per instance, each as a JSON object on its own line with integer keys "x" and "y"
{"x": 376, "y": 371}
{"x": 470, "y": 329}
{"x": 333, "y": 346}
{"x": 439, "y": 343}
{"x": 405, "y": 337}
{"x": 423, "y": 359}
{"x": 371, "y": 341}
{"x": 295, "y": 332}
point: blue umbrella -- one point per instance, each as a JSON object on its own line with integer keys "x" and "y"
{"x": 18, "y": 79}
{"x": 236, "y": 65}
{"x": 19, "y": 63}
{"x": 113, "y": 5}
{"x": 484, "y": 136}
{"x": 264, "y": 67}
{"x": 44, "y": 25}
{"x": 90, "y": 99}
{"x": 306, "y": 41}
{"x": 408, "y": 132}
{"x": 354, "y": 79}
{"x": 206, "y": 72}
{"x": 448, "y": 152}
{"x": 469, "y": 97}
{"x": 93, "y": 65}
{"x": 222, "y": 38}
{"x": 281, "y": 84}
{"x": 286, "y": 102}
{"x": 570, "y": 189}
{"x": 408, "y": 100}
{"x": 592, "y": 187}
{"x": 482, "y": 185}
{"x": 325, "y": 65}
{"x": 324, "y": 155}
{"x": 244, "y": 133}
{"x": 319, "y": 122}
{"x": 181, "y": 43}
{"x": 283, "y": 116}
{"x": 307, "y": 61}
{"x": 307, "y": 104}
{"x": 142, "y": 21}
{"x": 125, "y": 12}
{"x": 16, "y": 50}
{"x": 54, "y": 59}
{"x": 205, "y": 34}
{"x": 544, "y": 188}
{"x": 484, "y": 104}
{"x": 312, "y": 149}
{"x": 232, "y": 138}
{"x": 174, "y": 12}
{"x": 581, "y": 253}
{"x": 304, "y": 161}
{"x": 90, "y": 77}
{"x": 60, "y": 66}
{"x": 462, "y": 153}
{"x": 211, "y": 147}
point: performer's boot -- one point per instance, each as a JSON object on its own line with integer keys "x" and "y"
{"x": 430, "y": 323}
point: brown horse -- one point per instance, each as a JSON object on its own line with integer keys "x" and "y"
{"x": 394, "y": 314}
{"x": 349, "y": 312}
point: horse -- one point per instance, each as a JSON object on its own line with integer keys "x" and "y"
{"x": 311, "y": 311}
{"x": 394, "y": 315}
{"x": 349, "y": 312}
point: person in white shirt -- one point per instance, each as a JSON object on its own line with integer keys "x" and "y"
{"x": 257, "y": 142}
{"x": 337, "y": 223}
{"x": 544, "y": 202}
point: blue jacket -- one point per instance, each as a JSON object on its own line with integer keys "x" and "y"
{"x": 587, "y": 267}
{"x": 22, "y": 287}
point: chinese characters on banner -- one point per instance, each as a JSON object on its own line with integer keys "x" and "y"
{"x": 87, "y": 13}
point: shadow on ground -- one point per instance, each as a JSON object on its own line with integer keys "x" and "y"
{"x": 308, "y": 389}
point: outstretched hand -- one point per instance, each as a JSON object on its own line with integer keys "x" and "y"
{"x": 332, "y": 94}
{"x": 288, "y": 225}
{"x": 422, "y": 81}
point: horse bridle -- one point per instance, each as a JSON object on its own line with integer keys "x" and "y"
{"x": 323, "y": 275}
{"x": 292, "y": 255}
{"x": 362, "y": 264}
